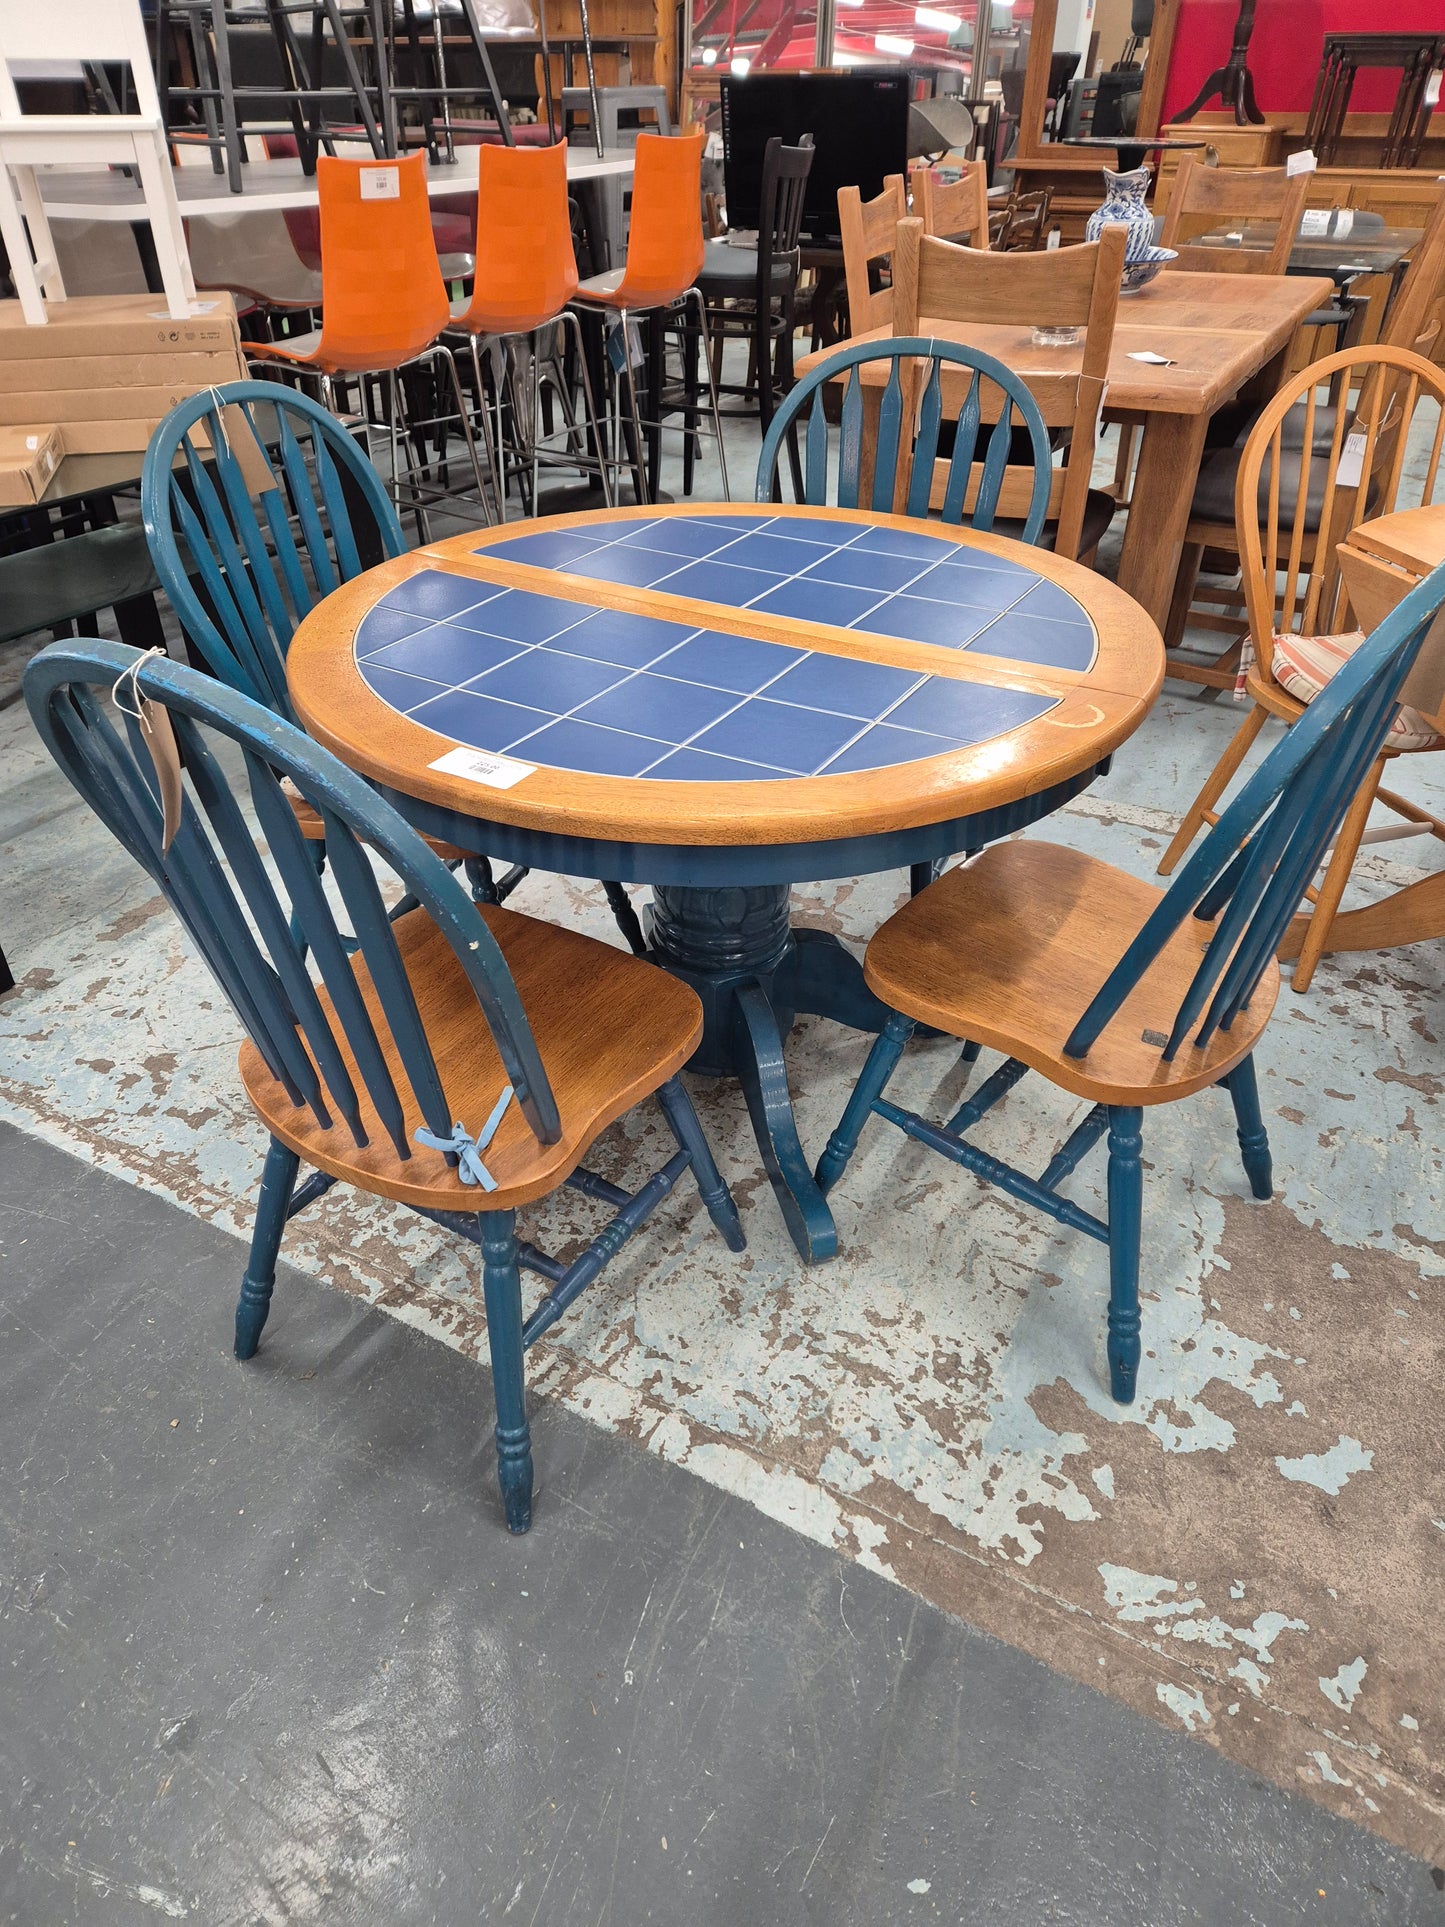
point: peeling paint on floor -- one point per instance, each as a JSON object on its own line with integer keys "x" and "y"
{"x": 1267, "y": 1520}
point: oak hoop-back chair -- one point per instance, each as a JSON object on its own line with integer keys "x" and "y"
{"x": 1202, "y": 197}
{"x": 1298, "y": 606}
{"x": 1017, "y": 950}
{"x": 266, "y": 555}
{"x": 461, "y": 1061}
{"x": 937, "y": 282}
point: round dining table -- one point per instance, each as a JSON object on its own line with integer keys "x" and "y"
{"x": 720, "y": 703}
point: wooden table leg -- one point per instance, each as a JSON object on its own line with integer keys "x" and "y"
{"x": 1169, "y": 458}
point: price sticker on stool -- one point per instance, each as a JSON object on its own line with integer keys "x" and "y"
{"x": 380, "y": 184}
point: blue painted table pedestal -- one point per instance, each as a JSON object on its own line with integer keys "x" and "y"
{"x": 754, "y": 974}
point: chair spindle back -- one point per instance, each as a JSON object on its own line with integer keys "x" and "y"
{"x": 247, "y": 485}
{"x": 1250, "y": 874}
{"x": 267, "y": 929}
{"x": 868, "y": 230}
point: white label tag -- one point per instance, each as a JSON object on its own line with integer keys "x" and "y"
{"x": 380, "y": 184}
{"x": 496, "y": 772}
{"x": 197, "y": 307}
{"x": 1148, "y": 354}
{"x": 1315, "y": 221}
{"x": 1344, "y": 221}
{"x": 1352, "y": 460}
{"x": 1056, "y": 235}
{"x": 1302, "y": 163}
{"x": 1432, "y": 89}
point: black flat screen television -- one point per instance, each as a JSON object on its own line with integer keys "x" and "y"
{"x": 859, "y": 124}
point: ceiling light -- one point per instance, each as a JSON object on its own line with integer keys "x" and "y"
{"x": 891, "y": 43}
{"x": 739, "y": 66}
{"x": 709, "y": 56}
{"x": 938, "y": 22}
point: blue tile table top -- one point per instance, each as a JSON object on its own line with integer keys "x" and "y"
{"x": 600, "y": 690}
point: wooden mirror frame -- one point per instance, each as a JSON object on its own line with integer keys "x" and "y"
{"x": 1031, "y": 143}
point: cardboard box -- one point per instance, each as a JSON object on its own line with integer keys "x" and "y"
{"x": 100, "y": 405}
{"x": 100, "y": 373}
{"x": 108, "y": 437}
{"x": 29, "y": 457}
{"x": 119, "y": 324}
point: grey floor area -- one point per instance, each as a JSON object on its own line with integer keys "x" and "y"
{"x": 267, "y": 1655}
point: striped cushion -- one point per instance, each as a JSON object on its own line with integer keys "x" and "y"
{"x": 1304, "y": 664}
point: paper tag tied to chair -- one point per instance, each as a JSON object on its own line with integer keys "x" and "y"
{"x": 160, "y": 741}
{"x": 468, "y": 1149}
{"x": 380, "y": 184}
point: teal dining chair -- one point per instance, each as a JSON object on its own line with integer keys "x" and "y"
{"x": 1008, "y": 443}
{"x": 257, "y": 504}
{"x": 1119, "y": 993}
{"x": 461, "y": 1059}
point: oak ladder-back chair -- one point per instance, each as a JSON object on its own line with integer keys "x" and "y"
{"x": 954, "y": 210}
{"x": 461, "y": 1060}
{"x": 1017, "y": 951}
{"x": 1298, "y": 603}
{"x": 868, "y": 230}
{"x": 905, "y": 460}
{"x": 934, "y": 281}
{"x": 1204, "y": 197}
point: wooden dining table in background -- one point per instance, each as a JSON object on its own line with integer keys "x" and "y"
{"x": 1222, "y": 336}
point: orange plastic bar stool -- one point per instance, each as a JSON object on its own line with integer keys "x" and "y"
{"x": 384, "y": 305}
{"x": 664, "y": 258}
{"x": 526, "y": 274}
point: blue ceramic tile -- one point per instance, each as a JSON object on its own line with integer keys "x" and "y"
{"x": 927, "y": 548}
{"x": 739, "y": 663}
{"x": 962, "y": 555}
{"x": 737, "y": 522}
{"x": 1048, "y": 599}
{"x": 611, "y": 635}
{"x": 379, "y": 628}
{"x": 582, "y": 746}
{"x": 695, "y": 766}
{"x": 968, "y": 712}
{"x": 717, "y": 582}
{"x": 865, "y": 569}
{"x": 546, "y": 679}
{"x": 918, "y": 621}
{"x": 884, "y": 746}
{"x": 991, "y": 589}
{"x": 678, "y": 535}
{"x": 655, "y": 706}
{"x": 775, "y": 553}
{"x": 547, "y": 549}
{"x": 476, "y": 721}
{"x": 638, "y": 568}
{"x": 819, "y": 528}
{"x": 404, "y": 693}
{"x": 861, "y": 689}
{"x": 810, "y": 601}
{"x": 446, "y": 654}
{"x": 516, "y": 615}
{"x": 1055, "y": 645}
{"x": 433, "y": 594}
{"x": 789, "y": 739}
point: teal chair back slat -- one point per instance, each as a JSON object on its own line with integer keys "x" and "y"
{"x": 1250, "y": 874}
{"x": 265, "y": 924}
{"x": 1018, "y": 408}
{"x": 243, "y": 558}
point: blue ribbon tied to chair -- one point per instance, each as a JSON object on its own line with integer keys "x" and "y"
{"x": 468, "y": 1149}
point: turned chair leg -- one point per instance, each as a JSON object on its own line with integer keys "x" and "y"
{"x": 686, "y": 1127}
{"x": 1347, "y": 846}
{"x": 1249, "y": 1125}
{"x": 1126, "y": 1204}
{"x": 502, "y": 1288}
{"x": 1220, "y": 777}
{"x": 882, "y": 1062}
{"x": 277, "y": 1182}
{"x": 625, "y": 918}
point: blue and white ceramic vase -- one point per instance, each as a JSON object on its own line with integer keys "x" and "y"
{"x": 1124, "y": 207}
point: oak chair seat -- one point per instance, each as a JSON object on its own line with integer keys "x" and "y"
{"x": 1009, "y": 950}
{"x": 611, "y": 1030}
